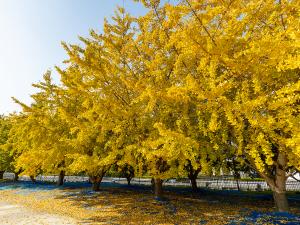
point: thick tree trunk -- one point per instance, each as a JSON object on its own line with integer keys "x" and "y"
{"x": 278, "y": 188}
{"x": 96, "y": 181}
{"x": 281, "y": 201}
{"x": 32, "y": 179}
{"x": 1, "y": 174}
{"x": 279, "y": 191}
{"x": 61, "y": 177}
{"x": 158, "y": 189}
{"x": 277, "y": 184}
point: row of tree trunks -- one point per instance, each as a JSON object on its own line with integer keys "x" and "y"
{"x": 276, "y": 183}
{"x": 1, "y": 174}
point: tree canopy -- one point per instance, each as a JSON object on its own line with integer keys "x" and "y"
{"x": 188, "y": 87}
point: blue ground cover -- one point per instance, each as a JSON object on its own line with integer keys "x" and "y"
{"x": 232, "y": 197}
{"x": 256, "y": 217}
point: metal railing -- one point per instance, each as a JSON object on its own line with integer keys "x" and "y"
{"x": 217, "y": 183}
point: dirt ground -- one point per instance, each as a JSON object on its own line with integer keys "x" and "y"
{"x": 40, "y": 203}
{"x": 11, "y": 214}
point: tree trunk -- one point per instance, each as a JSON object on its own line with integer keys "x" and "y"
{"x": 281, "y": 201}
{"x": 96, "y": 185}
{"x": 152, "y": 184}
{"x": 277, "y": 184}
{"x": 158, "y": 189}
{"x": 96, "y": 181}
{"x": 237, "y": 176}
{"x": 278, "y": 188}
{"x": 128, "y": 180}
{"x": 193, "y": 174}
{"x": 237, "y": 184}
{"x": 1, "y": 174}
{"x": 16, "y": 178}
{"x": 194, "y": 183}
{"x": 32, "y": 179}
{"x": 236, "y": 173}
{"x": 279, "y": 192}
{"x": 61, "y": 177}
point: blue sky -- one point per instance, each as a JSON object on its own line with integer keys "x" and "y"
{"x": 30, "y": 35}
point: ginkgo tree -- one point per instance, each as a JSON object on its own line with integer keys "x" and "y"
{"x": 209, "y": 54}
{"x": 38, "y": 137}
{"x": 98, "y": 97}
{"x": 179, "y": 142}
{"x": 188, "y": 87}
{"x": 239, "y": 61}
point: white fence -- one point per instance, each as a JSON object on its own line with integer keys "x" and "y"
{"x": 218, "y": 183}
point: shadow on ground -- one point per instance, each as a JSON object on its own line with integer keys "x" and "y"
{"x": 122, "y": 204}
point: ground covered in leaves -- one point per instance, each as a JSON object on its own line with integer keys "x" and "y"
{"x": 121, "y": 204}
